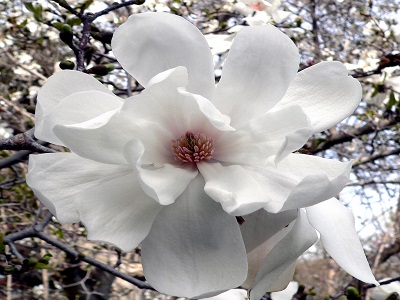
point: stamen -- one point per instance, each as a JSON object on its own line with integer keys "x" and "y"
{"x": 193, "y": 147}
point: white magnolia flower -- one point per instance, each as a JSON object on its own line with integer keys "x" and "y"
{"x": 171, "y": 168}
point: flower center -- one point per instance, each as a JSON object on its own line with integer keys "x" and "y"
{"x": 193, "y": 147}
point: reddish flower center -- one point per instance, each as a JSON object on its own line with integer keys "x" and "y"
{"x": 193, "y": 147}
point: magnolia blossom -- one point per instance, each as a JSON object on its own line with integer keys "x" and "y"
{"x": 204, "y": 176}
{"x": 259, "y": 12}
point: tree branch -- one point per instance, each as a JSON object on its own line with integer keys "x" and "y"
{"x": 24, "y": 141}
{"x": 37, "y": 231}
{"x": 349, "y": 135}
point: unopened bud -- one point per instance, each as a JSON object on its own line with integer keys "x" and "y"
{"x": 99, "y": 70}
{"x": 67, "y": 65}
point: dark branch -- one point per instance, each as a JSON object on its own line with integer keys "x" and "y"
{"x": 116, "y": 6}
{"x": 342, "y": 137}
{"x": 37, "y": 231}
{"x": 24, "y": 141}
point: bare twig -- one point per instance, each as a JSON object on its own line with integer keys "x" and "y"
{"x": 37, "y": 231}
{"x": 24, "y": 141}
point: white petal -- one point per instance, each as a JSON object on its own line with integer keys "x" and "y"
{"x": 58, "y": 178}
{"x": 164, "y": 183}
{"x": 262, "y": 225}
{"x": 300, "y": 181}
{"x": 57, "y": 87}
{"x": 325, "y": 92}
{"x": 76, "y": 108}
{"x": 194, "y": 247}
{"x": 150, "y": 43}
{"x": 159, "y": 114}
{"x": 278, "y": 264}
{"x": 261, "y": 231}
{"x": 98, "y": 138}
{"x": 335, "y": 223}
{"x": 235, "y": 294}
{"x": 257, "y": 72}
{"x": 286, "y": 294}
{"x": 118, "y": 212}
{"x": 321, "y": 179}
{"x": 273, "y": 134}
{"x": 232, "y": 186}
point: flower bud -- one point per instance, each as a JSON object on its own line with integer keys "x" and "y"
{"x": 67, "y": 65}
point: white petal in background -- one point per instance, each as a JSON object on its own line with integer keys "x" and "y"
{"x": 287, "y": 293}
{"x": 261, "y": 225}
{"x": 256, "y": 257}
{"x": 335, "y": 223}
{"x": 196, "y": 245}
{"x": 182, "y": 44}
{"x": 325, "y": 92}
{"x": 57, "y": 87}
{"x": 259, "y": 68}
{"x": 277, "y": 269}
{"x": 58, "y": 178}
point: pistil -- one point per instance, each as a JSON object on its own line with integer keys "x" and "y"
{"x": 193, "y": 147}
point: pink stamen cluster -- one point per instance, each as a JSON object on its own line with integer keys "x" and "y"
{"x": 193, "y": 147}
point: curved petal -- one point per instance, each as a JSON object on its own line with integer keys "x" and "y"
{"x": 59, "y": 86}
{"x": 117, "y": 212}
{"x": 325, "y": 92}
{"x": 322, "y": 179}
{"x": 255, "y": 258}
{"x": 300, "y": 181}
{"x": 57, "y": 179}
{"x": 235, "y": 294}
{"x": 262, "y": 225}
{"x": 287, "y": 293}
{"x": 258, "y": 248}
{"x": 197, "y": 242}
{"x": 335, "y": 223}
{"x": 76, "y": 108}
{"x": 257, "y": 72}
{"x": 165, "y": 183}
{"x": 232, "y": 186}
{"x": 150, "y": 43}
{"x": 273, "y": 134}
{"x": 277, "y": 269}
{"x": 99, "y": 139}
{"x": 161, "y": 113}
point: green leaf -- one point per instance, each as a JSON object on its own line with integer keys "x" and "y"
{"x": 37, "y": 14}
{"x": 42, "y": 266}
{"x": 85, "y": 5}
{"x": 23, "y": 24}
{"x": 46, "y": 258}
{"x": 29, "y": 6}
{"x": 74, "y": 21}
{"x": 58, "y": 25}
{"x": 392, "y": 101}
{"x": 9, "y": 270}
